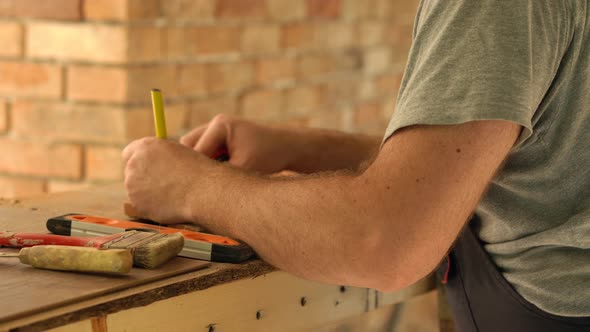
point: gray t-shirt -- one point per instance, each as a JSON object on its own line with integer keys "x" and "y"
{"x": 527, "y": 62}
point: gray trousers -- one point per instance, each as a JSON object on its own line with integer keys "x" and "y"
{"x": 483, "y": 301}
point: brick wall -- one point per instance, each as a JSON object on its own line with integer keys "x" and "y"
{"x": 75, "y": 75}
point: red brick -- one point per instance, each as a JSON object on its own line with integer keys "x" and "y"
{"x": 330, "y": 119}
{"x": 3, "y": 117}
{"x": 324, "y": 8}
{"x": 353, "y": 10}
{"x": 144, "y": 78}
{"x": 139, "y": 122}
{"x": 228, "y": 77}
{"x": 54, "y": 9}
{"x": 298, "y": 36}
{"x": 370, "y": 10}
{"x": 94, "y": 83}
{"x": 11, "y": 35}
{"x": 190, "y": 41}
{"x": 47, "y": 121}
{"x": 388, "y": 107}
{"x": 191, "y": 80}
{"x": 188, "y": 9}
{"x": 261, "y": 39}
{"x": 318, "y": 35}
{"x": 14, "y": 187}
{"x": 241, "y": 9}
{"x": 367, "y": 89}
{"x": 334, "y": 93}
{"x": 177, "y": 43}
{"x": 262, "y": 105}
{"x": 368, "y": 113}
{"x": 201, "y": 112}
{"x": 374, "y": 128}
{"x": 317, "y": 65}
{"x": 295, "y": 122}
{"x": 103, "y": 163}
{"x": 7, "y": 7}
{"x": 377, "y": 60}
{"x": 400, "y": 38}
{"x": 313, "y": 65}
{"x": 105, "y": 9}
{"x": 383, "y": 9}
{"x": 28, "y": 158}
{"x": 145, "y": 44}
{"x": 212, "y": 40}
{"x": 274, "y": 70}
{"x": 335, "y": 35}
{"x": 120, "y": 10}
{"x": 56, "y": 186}
{"x": 65, "y": 161}
{"x": 30, "y": 79}
{"x": 388, "y": 84}
{"x": 120, "y": 85}
{"x": 371, "y": 33}
{"x": 77, "y": 41}
{"x": 301, "y": 100}
{"x": 176, "y": 119}
{"x": 287, "y": 10}
{"x": 401, "y": 11}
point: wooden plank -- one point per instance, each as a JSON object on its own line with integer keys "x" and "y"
{"x": 99, "y": 324}
{"x": 378, "y": 320}
{"x": 49, "y": 289}
{"x": 83, "y": 326}
{"x": 284, "y": 303}
{"x": 142, "y": 295}
{"x": 30, "y": 215}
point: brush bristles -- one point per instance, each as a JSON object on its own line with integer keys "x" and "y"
{"x": 157, "y": 252}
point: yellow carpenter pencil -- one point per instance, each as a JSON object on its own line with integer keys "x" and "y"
{"x": 159, "y": 118}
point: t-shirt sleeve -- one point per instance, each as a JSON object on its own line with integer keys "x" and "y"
{"x": 478, "y": 60}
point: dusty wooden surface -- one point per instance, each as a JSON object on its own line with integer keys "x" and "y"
{"x": 36, "y": 298}
{"x": 27, "y": 290}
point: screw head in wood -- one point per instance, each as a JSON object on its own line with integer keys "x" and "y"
{"x": 303, "y": 301}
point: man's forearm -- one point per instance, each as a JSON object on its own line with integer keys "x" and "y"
{"x": 320, "y": 228}
{"x": 327, "y": 150}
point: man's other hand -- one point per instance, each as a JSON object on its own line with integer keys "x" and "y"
{"x": 250, "y": 146}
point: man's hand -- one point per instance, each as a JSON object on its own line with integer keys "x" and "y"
{"x": 250, "y": 146}
{"x": 160, "y": 176}
{"x": 265, "y": 149}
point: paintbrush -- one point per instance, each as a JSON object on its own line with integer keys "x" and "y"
{"x": 149, "y": 249}
{"x": 78, "y": 259}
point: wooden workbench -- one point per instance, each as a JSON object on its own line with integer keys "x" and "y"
{"x": 183, "y": 295}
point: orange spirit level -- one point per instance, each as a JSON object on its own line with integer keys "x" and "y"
{"x": 197, "y": 245}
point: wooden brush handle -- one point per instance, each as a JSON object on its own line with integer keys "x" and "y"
{"x": 78, "y": 259}
{"x": 21, "y": 240}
